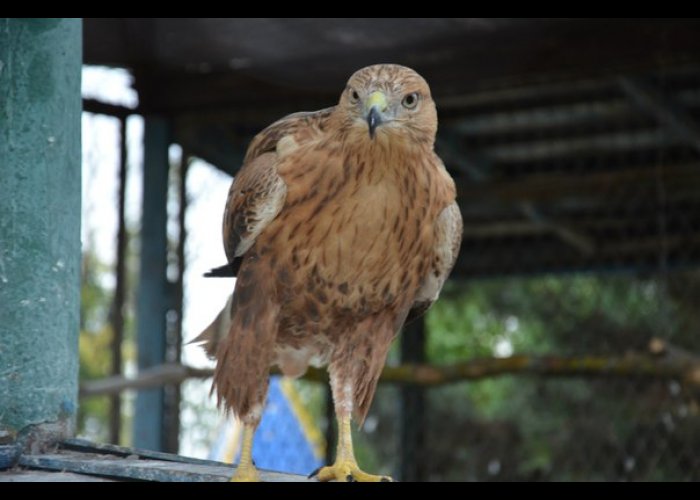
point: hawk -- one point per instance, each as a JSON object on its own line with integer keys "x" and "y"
{"x": 340, "y": 225}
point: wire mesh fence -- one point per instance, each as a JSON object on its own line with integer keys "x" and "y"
{"x": 546, "y": 427}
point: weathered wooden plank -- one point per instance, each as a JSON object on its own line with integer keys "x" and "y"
{"x": 9, "y": 455}
{"x": 141, "y": 470}
{"x": 41, "y": 476}
{"x": 85, "y": 446}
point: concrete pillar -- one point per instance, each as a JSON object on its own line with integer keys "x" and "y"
{"x": 40, "y": 105}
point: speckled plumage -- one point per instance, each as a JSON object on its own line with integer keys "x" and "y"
{"x": 336, "y": 237}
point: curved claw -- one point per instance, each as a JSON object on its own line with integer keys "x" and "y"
{"x": 315, "y": 472}
{"x": 347, "y": 471}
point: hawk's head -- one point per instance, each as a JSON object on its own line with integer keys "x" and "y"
{"x": 388, "y": 101}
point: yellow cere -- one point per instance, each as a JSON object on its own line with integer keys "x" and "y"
{"x": 377, "y": 99}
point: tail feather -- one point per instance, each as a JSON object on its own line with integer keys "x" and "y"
{"x": 212, "y": 335}
{"x": 247, "y": 348}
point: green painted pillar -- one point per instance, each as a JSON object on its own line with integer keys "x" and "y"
{"x": 40, "y": 105}
{"x": 153, "y": 298}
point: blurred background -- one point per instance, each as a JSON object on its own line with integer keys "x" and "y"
{"x": 565, "y": 345}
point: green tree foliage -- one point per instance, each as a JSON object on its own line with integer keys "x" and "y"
{"x": 96, "y": 334}
{"x": 95, "y": 340}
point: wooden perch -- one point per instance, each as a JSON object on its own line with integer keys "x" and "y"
{"x": 663, "y": 362}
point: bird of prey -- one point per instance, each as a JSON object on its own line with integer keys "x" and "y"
{"x": 340, "y": 225}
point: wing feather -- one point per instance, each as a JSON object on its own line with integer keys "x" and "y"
{"x": 258, "y": 192}
{"x": 448, "y": 239}
{"x": 256, "y": 196}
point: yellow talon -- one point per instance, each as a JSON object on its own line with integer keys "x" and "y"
{"x": 345, "y": 468}
{"x": 347, "y": 471}
{"x": 245, "y": 474}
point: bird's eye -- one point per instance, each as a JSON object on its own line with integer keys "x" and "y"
{"x": 354, "y": 96}
{"x": 410, "y": 101}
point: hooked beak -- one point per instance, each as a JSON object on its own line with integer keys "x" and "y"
{"x": 374, "y": 119}
{"x": 376, "y": 105}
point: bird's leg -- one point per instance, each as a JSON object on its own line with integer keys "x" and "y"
{"x": 345, "y": 467}
{"x": 246, "y": 471}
